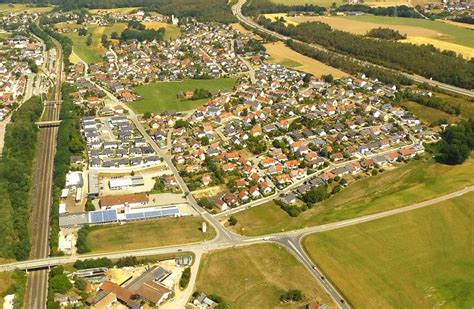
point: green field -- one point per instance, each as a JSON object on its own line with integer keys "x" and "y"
{"x": 323, "y": 3}
{"x": 410, "y": 183}
{"x": 419, "y": 259}
{"x": 428, "y": 115}
{"x": 146, "y": 234}
{"x": 256, "y": 276}
{"x": 289, "y": 63}
{"x": 457, "y": 35}
{"x": 95, "y": 51}
{"x": 467, "y": 107}
{"x": 161, "y": 96}
{"x": 6, "y": 8}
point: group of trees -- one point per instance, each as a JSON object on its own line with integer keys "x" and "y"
{"x": 93, "y": 263}
{"x": 36, "y": 30}
{"x": 200, "y": 94}
{"x": 395, "y": 11}
{"x": 58, "y": 283}
{"x": 137, "y": 31}
{"x": 16, "y": 168}
{"x": 258, "y": 7}
{"x": 457, "y": 143}
{"x": 292, "y": 296}
{"x": 185, "y": 277}
{"x": 425, "y": 60}
{"x": 81, "y": 242}
{"x": 385, "y": 34}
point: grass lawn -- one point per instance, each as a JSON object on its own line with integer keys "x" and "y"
{"x": 154, "y": 233}
{"x": 428, "y": 115}
{"x": 418, "y": 259}
{"x": 410, "y": 183}
{"x": 256, "y": 276}
{"x": 161, "y": 96}
{"x": 282, "y": 54}
{"x": 95, "y": 51}
{"x": 467, "y": 107}
{"x": 6, "y": 8}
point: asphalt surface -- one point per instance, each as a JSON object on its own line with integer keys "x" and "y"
{"x": 237, "y": 11}
{"x": 37, "y": 282}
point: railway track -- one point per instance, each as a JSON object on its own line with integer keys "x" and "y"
{"x": 37, "y": 282}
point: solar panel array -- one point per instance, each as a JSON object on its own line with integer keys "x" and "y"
{"x": 164, "y": 212}
{"x": 102, "y": 216}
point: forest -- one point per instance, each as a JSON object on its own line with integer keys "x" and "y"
{"x": 424, "y": 60}
{"x": 16, "y": 169}
{"x": 348, "y": 65}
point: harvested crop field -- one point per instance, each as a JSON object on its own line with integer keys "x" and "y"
{"x": 284, "y": 55}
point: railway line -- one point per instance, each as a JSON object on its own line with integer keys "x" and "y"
{"x": 37, "y": 282}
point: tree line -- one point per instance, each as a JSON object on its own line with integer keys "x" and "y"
{"x": 425, "y": 60}
{"x": 395, "y": 11}
{"x": 258, "y": 7}
{"x": 69, "y": 143}
{"x": 433, "y": 102}
{"x": 16, "y": 169}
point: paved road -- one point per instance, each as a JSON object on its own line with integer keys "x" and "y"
{"x": 237, "y": 11}
{"x": 291, "y": 240}
{"x": 37, "y": 283}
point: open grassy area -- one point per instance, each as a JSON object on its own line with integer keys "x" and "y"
{"x": 256, "y": 276}
{"x": 6, "y": 279}
{"x": 427, "y": 114}
{"x": 467, "y": 106}
{"x": 95, "y": 51}
{"x": 418, "y": 259}
{"x": 172, "y": 32}
{"x": 161, "y": 96}
{"x": 145, "y": 234}
{"x": 6, "y": 8}
{"x": 282, "y": 54}
{"x": 410, "y": 183}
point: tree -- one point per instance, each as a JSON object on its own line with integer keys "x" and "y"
{"x": 60, "y": 284}
{"x": 292, "y": 296}
{"x": 89, "y": 40}
{"x": 114, "y": 36}
{"x": 82, "y": 32}
{"x": 232, "y": 220}
{"x": 147, "y": 115}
